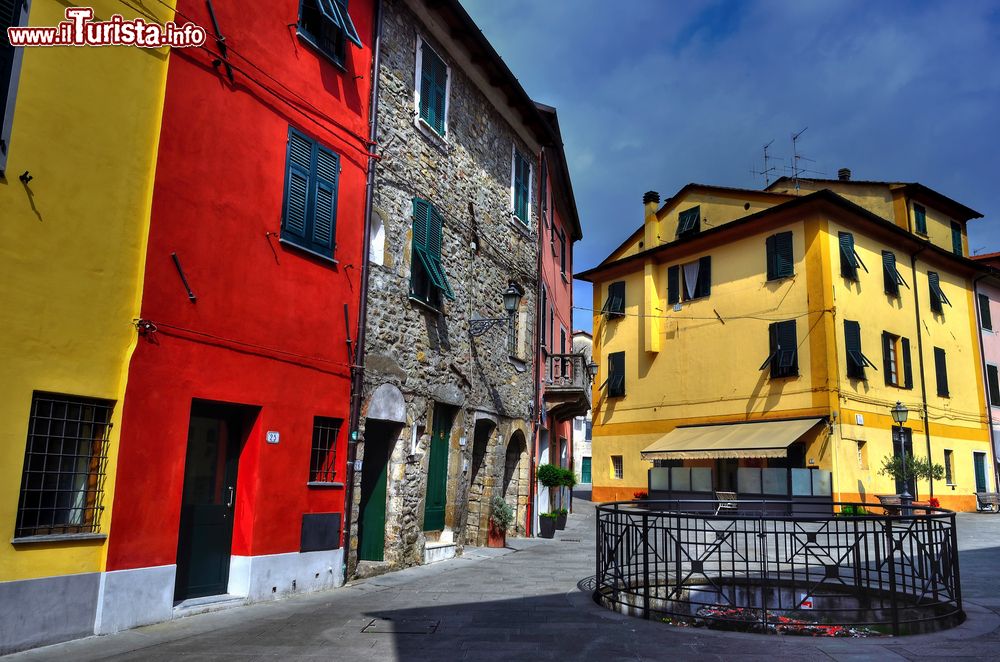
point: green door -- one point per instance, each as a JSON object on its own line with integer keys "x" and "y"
{"x": 980, "y": 461}
{"x": 374, "y": 473}
{"x": 437, "y": 471}
{"x": 205, "y": 536}
{"x": 585, "y": 471}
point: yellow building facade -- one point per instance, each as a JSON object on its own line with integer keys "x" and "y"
{"x": 692, "y": 342}
{"x": 81, "y": 134}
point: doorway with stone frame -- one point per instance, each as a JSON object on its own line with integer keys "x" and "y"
{"x": 482, "y": 482}
{"x": 516, "y": 477}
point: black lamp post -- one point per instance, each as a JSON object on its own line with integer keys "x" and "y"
{"x": 899, "y": 414}
{"x": 511, "y": 299}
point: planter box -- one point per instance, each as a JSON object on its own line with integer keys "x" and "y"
{"x": 546, "y": 527}
{"x": 561, "y": 522}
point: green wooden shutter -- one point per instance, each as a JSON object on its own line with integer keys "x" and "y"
{"x": 934, "y": 288}
{"x": 848, "y": 263}
{"x": 956, "y": 238}
{"x": 904, "y": 348}
{"x": 986, "y": 318}
{"x": 325, "y": 208}
{"x": 784, "y": 261}
{"x": 887, "y": 358}
{"x": 786, "y": 360}
{"x": 433, "y": 88}
{"x": 941, "y": 370}
{"x": 421, "y": 220}
{"x": 703, "y": 287}
{"x": 890, "y": 277}
{"x": 852, "y": 342}
{"x": 920, "y": 218}
{"x": 673, "y": 284}
{"x": 616, "y": 374}
{"x": 993, "y": 380}
{"x": 772, "y": 268}
{"x": 297, "y": 187}
{"x": 614, "y": 306}
{"x": 689, "y": 221}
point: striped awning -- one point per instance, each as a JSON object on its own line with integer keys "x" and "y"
{"x": 700, "y": 442}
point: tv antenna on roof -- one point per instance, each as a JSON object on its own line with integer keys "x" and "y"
{"x": 796, "y": 157}
{"x": 768, "y": 169}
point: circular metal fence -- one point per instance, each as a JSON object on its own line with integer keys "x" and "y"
{"x": 746, "y": 568}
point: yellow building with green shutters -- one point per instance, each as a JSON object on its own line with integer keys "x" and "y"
{"x": 80, "y": 133}
{"x": 739, "y": 331}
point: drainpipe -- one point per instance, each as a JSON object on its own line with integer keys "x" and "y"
{"x": 357, "y": 369}
{"x": 982, "y": 357}
{"x": 920, "y": 358}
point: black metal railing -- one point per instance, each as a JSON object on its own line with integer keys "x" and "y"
{"x": 750, "y": 569}
{"x": 567, "y": 371}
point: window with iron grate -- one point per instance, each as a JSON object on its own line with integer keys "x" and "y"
{"x": 323, "y": 463}
{"x": 62, "y": 483}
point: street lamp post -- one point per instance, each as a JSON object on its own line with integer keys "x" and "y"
{"x": 899, "y": 414}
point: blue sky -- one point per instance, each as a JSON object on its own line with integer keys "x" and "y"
{"x": 653, "y": 94}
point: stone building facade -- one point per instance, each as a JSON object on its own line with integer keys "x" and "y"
{"x": 446, "y": 418}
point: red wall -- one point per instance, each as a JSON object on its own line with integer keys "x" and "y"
{"x": 268, "y": 326}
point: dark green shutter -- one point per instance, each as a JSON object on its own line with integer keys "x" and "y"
{"x": 772, "y": 268}
{"x": 941, "y": 369}
{"x": 309, "y": 217}
{"x": 786, "y": 363}
{"x": 784, "y": 261}
{"x": 956, "y": 238}
{"x": 703, "y": 287}
{"x": 615, "y": 304}
{"x": 920, "y": 218}
{"x": 433, "y": 88}
{"x": 993, "y": 379}
{"x": 986, "y": 319}
{"x": 616, "y": 374}
{"x": 904, "y": 348}
{"x": 421, "y": 220}
{"x": 852, "y": 342}
{"x": 689, "y": 221}
{"x": 887, "y": 358}
{"x": 934, "y": 288}
{"x": 848, "y": 263}
{"x": 889, "y": 275}
{"x": 296, "y": 217}
{"x": 673, "y": 284}
{"x": 325, "y": 209}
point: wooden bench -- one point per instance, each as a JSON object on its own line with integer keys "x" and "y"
{"x": 726, "y": 501}
{"x": 988, "y": 501}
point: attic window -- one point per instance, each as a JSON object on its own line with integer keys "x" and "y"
{"x": 689, "y": 222}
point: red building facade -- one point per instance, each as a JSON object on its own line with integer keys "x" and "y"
{"x": 564, "y": 381}
{"x": 232, "y": 467}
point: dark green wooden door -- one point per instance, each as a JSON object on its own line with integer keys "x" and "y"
{"x": 585, "y": 471}
{"x": 374, "y": 475}
{"x": 206, "y": 527}
{"x": 437, "y": 471}
{"x": 980, "y": 463}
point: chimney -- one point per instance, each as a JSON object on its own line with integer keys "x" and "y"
{"x": 650, "y": 200}
{"x": 844, "y": 174}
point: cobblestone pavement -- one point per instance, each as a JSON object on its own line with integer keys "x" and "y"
{"x": 525, "y": 602}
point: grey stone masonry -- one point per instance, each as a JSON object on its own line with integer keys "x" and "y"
{"x": 484, "y": 383}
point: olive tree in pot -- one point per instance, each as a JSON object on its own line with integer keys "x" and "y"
{"x": 914, "y": 468}
{"x": 501, "y": 517}
{"x": 550, "y": 476}
{"x": 568, "y": 480}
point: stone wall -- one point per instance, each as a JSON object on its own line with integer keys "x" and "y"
{"x": 429, "y": 355}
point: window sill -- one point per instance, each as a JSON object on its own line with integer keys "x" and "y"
{"x": 318, "y": 256}
{"x": 519, "y": 364}
{"x": 420, "y": 303}
{"x": 519, "y": 225}
{"x": 307, "y": 38}
{"x": 440, "y": 140}
{"x": 58, "y": 537}
{"x": 324, "y": 485}
{"x": 778, "y": 279}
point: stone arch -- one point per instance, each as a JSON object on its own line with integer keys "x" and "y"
{"x": 514, "y": 488}
{"x": 481, "y": 482}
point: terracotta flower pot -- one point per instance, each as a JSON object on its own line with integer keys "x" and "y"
{"x": 497, "y": 537}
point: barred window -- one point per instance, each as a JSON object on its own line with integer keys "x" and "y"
{"x": 323, "y": 464}
{"x": 62, "y": 484}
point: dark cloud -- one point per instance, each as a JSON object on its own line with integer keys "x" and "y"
{"x": 654, "y": 94}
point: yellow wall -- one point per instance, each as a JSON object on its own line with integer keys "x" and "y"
{"x": 707, "y": 371}
{"x": 717, "y": 208}
{"x": 72, "y": 244}
{"x": 938, "y": 227}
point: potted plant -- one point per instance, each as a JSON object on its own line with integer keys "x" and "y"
{"x": 913, "y": 469}
{"x": 547, "y": 525}
{"x": 501, "y": 517}
{"x": 568, "y": 480}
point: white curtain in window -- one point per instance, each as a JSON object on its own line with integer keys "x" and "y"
{"x": 376, "y": 247}
{"x": 691, "y": 277}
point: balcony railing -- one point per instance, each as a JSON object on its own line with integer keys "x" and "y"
{"x": 567, "y": 384}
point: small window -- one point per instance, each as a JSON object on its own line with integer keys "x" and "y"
{"x": 309, "y": 219}
{"x": 588, "y": 435}
{"x": 936, "y": 293}
{"x": 512, "y": 333}
{"x": 376, "y": 241}
{"x": 896, "y": 363}
{"x": 993, "y": 382}
{"x": 614, "y": 305}
{"x": 780, "y": 261}
{"x": 616, "y": 375}
{"x": 323, "y": 461}
{"x": 327, "y": 25}
{"x": 862, "y": 455}
{"x": 617, "y": 470}
{"x": 689, "y": 281}
{"x": 521, "y": 190}
{"x": 783, "y": 356}
{"x": 62, "y": 484}
{"x": 948, "y": 477}
{"x": 956, "y": 238}
{"x": 849, "y": 258}
{"x": 432, "y": 89}
{"x": 562, "y": 252}
{"x": 544, "y": 306}
{"x": 941, "y": 370}
{"x": 689, "y": 222}
{"x": 920, "y": 219}
{"x": 985, "y": 316}
{"x": 856, "y": 360}
{"x": 428, "y": 280}
{"x": 890, "y": 274}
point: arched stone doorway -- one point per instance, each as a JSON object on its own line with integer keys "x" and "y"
{"x": 481, "y": 483}
{"x": 516, "y": 476}
{"x": 384, "y": 421}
